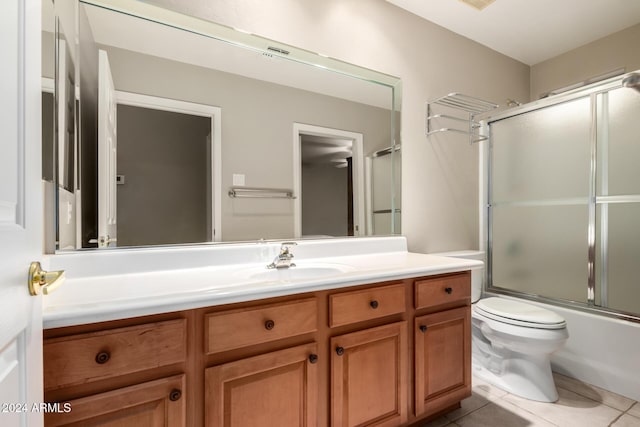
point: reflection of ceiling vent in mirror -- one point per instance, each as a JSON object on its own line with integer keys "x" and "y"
{"x": 478, "y": 4}
{"x": 277, "y": 49}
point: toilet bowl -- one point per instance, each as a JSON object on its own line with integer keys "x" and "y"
{"x": 512, "y": 341}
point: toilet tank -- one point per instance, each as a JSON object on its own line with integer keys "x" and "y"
{"x": 477, "y": 275}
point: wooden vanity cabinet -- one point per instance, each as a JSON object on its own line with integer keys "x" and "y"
{"x": 117, "y": 376}
{"x": 388, "y": 354}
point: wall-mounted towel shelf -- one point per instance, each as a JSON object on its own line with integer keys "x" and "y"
{"x": 263, "y": 193}
{"x": 457, "y": 101}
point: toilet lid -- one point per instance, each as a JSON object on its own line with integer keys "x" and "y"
{"x": 519, "y": 313}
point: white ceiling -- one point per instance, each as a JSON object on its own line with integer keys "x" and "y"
{"x": 322, "y": 150}
{"x": 530, "y": 31}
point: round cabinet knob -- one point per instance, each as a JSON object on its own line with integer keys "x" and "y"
{"x": 269, "y": 325}
{"x": 448, "y": 290}
{"x": 374, "y": 304}
{"x": 339, "y": 351}
{"x": 423, "y": 328}
{"x": 313, "y": 358}
{"x": 175, "y": 395}
{"x": 102, "y": 357}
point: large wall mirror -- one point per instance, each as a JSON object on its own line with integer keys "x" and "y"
{"x": 183, "y": 131}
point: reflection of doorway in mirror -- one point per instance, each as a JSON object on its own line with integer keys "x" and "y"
{"x": 168, "y": 150}
{"x": 328, "y": 182}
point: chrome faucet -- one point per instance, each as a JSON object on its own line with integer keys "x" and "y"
{"x": 283, "y": 259}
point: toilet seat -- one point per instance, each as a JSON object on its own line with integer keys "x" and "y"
{"x": 519, "y": 313}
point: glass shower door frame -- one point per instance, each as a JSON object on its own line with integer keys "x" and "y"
{"x": 598, "y": 94}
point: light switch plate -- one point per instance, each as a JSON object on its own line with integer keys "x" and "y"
{"x": 238, "y": 179}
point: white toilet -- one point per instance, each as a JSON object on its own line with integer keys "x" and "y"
{"x": 512, "y": 341}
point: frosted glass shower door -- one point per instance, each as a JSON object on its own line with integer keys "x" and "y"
{"x": 618, "y": 201}
{"x": 538, "y": 195}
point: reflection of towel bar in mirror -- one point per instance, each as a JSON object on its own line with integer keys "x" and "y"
{"x": 386, "y": 211}
{"x": 266, "y": 193}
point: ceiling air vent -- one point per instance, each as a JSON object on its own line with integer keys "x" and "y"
{"x": 478, "y": 4}
{"x": 278, "y": 50}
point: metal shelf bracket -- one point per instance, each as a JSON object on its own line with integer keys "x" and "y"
{"x": 457, "y": 101}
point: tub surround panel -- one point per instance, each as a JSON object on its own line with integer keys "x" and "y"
{"x": 600, "y": 351}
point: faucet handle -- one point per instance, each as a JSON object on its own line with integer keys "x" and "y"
{"x": 284, "y": 248}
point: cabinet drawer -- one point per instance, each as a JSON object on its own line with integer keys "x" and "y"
{"x": 356, "y": 306}
{"x": 159, "y": 402}
{"x": 233, "y": 329}
{"x": 83, "y": 358}
{"x": 447, "y": 289}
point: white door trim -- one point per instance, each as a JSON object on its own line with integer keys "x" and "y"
{"x": 357, "y": 171}
{"x": 194, "y": 109}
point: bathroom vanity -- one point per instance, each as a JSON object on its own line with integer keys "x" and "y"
{"x": 385, "y": 341}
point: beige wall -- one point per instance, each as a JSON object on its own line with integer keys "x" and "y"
{"x": 618, "y": 50}
{"x": 439, "y": 177}
{"x": 48, "y": 54}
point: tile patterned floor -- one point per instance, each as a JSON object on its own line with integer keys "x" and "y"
{"x": 580, "y": 405}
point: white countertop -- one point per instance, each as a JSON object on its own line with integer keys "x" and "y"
{"x": 91, "y": 298}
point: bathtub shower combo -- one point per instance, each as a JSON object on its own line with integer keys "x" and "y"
{"x": 561, "y": 224}
{"x": 563, "y": 200}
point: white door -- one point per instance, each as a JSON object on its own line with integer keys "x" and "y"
{"x": 107, "y": 151}
{"x": 20, "y": 212}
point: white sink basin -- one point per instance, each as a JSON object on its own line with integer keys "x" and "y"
{"x": 299, "y": 272}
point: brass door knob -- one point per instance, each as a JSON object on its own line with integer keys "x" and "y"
{"x": 43, "y": 281}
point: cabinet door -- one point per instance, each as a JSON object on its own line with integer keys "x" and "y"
{"x": 271, "y": 390}
{"x": 159, "y": 403}
{"x": 443, "y": 359}
{"x": 368, "y": 377}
